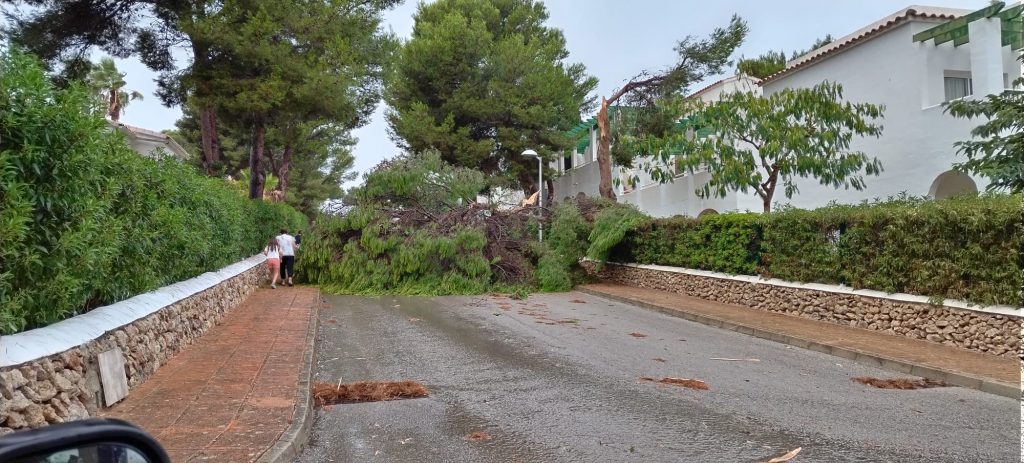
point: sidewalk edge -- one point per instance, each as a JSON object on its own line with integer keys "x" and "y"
{"x": 956, "y": 378}
{"x": 294, "y": 438}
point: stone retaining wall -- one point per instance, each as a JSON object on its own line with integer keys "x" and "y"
{"x": 66, "y": 386}
{"x": 979, "y": 331}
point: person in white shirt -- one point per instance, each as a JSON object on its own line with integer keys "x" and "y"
{"x": 273, "y": 253}
{"x": 287, "y": 245}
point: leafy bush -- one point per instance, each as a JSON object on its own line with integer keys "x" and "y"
{"x": 611, "y": 225}
{"x": 86, "y": 221}
{"x": 722, "y": 242}
{"x": 968, "y": 248}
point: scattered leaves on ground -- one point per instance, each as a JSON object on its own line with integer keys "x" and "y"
{"x": 638, "y": 335}
{"x": 659, "y": 359}
{"x": 367, "y": 391}
{"x": 786, "y": 457}
{"x": 682, "y": 382}
{"x": 414, "y": 320}
{"x": 899, "y": 383}
{"x": 578, "y": 301}
{"x": 478, "y": 436}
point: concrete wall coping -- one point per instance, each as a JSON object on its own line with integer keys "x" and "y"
{"x": 31, "y": 345}
{"x": 1004, "y": 310}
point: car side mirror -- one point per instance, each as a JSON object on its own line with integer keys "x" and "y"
{"x": 87, "y": 441}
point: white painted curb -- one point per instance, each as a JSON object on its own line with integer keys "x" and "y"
{"x": 67, "y": 334}
{"x": 1004, "y": 310}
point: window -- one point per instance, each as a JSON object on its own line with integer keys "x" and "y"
{"x": 958, "y": 87}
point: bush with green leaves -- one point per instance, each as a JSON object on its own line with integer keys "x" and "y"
{"x": 86, "y": 221}
{"x": 966, "y": 248}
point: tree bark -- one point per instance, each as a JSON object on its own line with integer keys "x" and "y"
{"x": 211, "y": 143}
{"x": 284, "y": 168}
{"x": 769, "y": 187}
{"x": 257, "y": 177}
{"x": 604, "y": 161}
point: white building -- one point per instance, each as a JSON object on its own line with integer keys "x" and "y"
{"x": 910, "y": 61}
{"x": 147, "y": 142}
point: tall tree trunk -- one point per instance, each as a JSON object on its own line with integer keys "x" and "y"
{"x": 257, "y": 177}
{"x": 112, "y": 107}
{"x": 211, "y": 143}
{"x": 604, "y": 159}
{"x": 284, "y": 168}
{"x": 549, "y": 195}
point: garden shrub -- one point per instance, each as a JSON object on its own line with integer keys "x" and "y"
{"x": 722, "y": 243}
{"x": 86, "y": 221}
{"x": 611, "y": 225}
{"x": 969, "y": 248}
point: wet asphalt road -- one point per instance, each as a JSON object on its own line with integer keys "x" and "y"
{"x": 555, "y": 380}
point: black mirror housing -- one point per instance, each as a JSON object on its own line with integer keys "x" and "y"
{"x": 39, "y": 443}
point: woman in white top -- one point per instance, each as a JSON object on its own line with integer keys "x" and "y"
{"x": 273, "y": 253}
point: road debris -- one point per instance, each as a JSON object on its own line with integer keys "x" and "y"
{"x": 659, "y": 359}
{"x": 734, "y": 360}
{"x": 682, "y": 382}
{"x": 367, "y": 391}
{"x": 478, "y": 436}
{"x": 414, "y": 320}
{"x": 578, "y": 301}
{"x": 638, "y": 335}
{"x": 786, "y": 457}
{"x": 899, "y": 383}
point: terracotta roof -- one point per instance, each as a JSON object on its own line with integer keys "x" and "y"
{"x": 870, "y": 31}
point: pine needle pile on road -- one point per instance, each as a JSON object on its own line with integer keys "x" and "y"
{"x": 682, "y": 382}
{"x": 899, "y": 383}
{"x": 367, "y": 391}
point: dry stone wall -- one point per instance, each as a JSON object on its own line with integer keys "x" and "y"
{"x": 978, "y": 331}
{"x": 66, "y": 386}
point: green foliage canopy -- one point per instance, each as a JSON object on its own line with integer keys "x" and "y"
{"x": 758, "y": 143}
{"x": 481, "y": 81}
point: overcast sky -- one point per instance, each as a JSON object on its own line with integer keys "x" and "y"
{"x": 615, "y": 39}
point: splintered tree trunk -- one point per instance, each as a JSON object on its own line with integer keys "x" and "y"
{"x": 604, "y": 161}
{"x": 257, "y": 177}
{"x": 211, "y": 143}
{"x": 282, "y": 171}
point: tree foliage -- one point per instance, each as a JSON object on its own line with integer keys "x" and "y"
{"x": 697, "y": 60}
{"x": 759, "y": 143}
{"x": 762, "y": 66}
{"x": 480, "y": 81}
{"x": 108, "y": 84}
{"x": 996, "y": 150}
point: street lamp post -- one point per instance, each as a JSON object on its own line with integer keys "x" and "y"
{"x": 540, "y": 192}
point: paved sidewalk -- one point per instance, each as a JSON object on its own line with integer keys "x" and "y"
{"x": 953, "y": 365}
{"x": 233, "y": 394}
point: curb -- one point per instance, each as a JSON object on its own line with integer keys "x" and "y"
{"x": 294, "y": 438}
{"x": 956, "y": 378}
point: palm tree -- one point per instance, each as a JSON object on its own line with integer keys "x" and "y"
{"x": 108, "y": 83}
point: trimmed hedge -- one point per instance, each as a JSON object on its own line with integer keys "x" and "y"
{"x": 86, "y": 221}
{"x": 969, "y": 248}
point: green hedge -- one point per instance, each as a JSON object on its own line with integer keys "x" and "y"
{"x": 968, "y": 248}
{"x": 86, "y": 221}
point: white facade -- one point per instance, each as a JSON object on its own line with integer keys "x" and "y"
{"x": 657, "y": 199}
{"x": 879, "y": 64}
{"x": 888, "y": 67}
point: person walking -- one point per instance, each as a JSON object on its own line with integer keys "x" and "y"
{"x": 298, "y": 238}
{"x": 287, "y": 244}
{"x": 273, "y": 253}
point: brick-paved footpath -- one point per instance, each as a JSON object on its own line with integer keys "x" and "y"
{"x": 231, "y": 395}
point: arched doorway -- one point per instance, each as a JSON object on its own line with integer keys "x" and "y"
{"x": 952, "y": 183}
